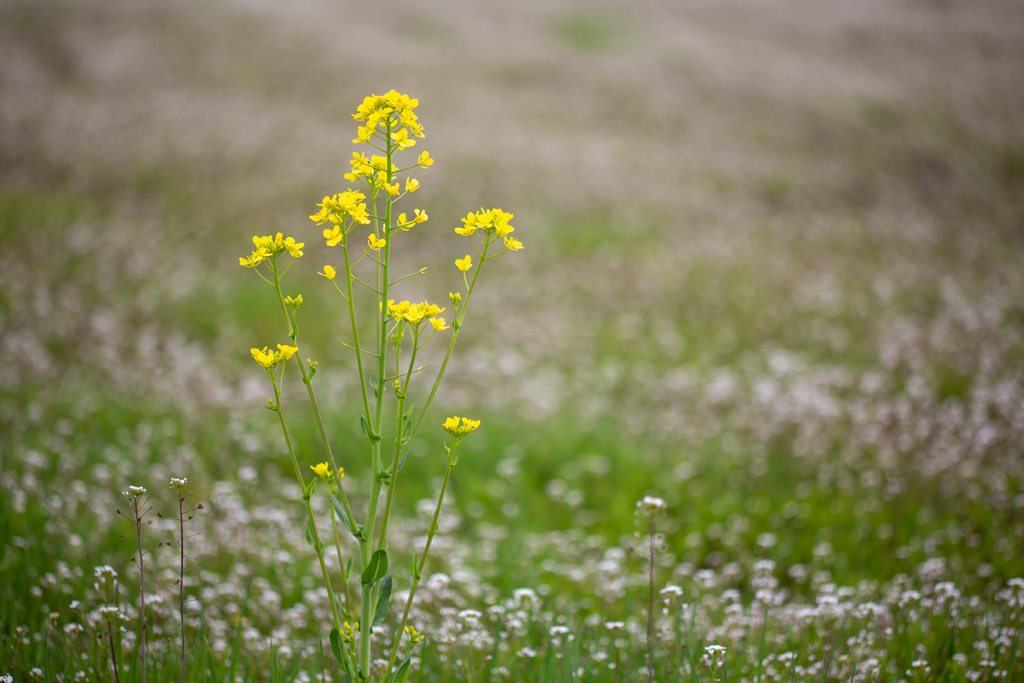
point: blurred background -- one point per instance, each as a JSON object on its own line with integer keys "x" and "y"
{"x": 772, "y": 268}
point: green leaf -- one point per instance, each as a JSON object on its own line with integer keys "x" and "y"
{"x": 407, "y": 432}
{"x": 383, "y": 600}
{"x": 310, "y": 538}
{"x": 340, "y": 652}
{"x": 339, "y": 509}
{"x": 408, "y": 413}
{"x": 362, "y": 424}
{"x": 401, "y": 673}
{"x": 414, "y": 568}
{"x": 310, "y": 490}
{"x": 376, "y": 569}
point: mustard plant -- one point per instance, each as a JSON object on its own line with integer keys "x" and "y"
{"x": 385, "y": 360}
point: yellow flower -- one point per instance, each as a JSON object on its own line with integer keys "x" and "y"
{"x": 286, "y": 352}
{"x": 425, "y": 159}
{"x": 334, "y": 209}
{"x": 413, "y": 313}
{"x": 375, "y": 244}
{"x": 469, "y": 225}
{"x": 393, "y": 190}
{"x": 493, "y": 219}
{"x": 411, "y": 184}
{"x": 253, "y": 261}
{"x": 329, "y": 272}
{"x": 263, "y": 358}
{"x": 421, "y": 216}
{"x": 364, "y": 134}
{"x": 401, "y": 138}
{"x": 322, "y": 470}
{"x": 464, "y": 264}
{"x": 439, "y": 324}
{"x": 333, "y": 236}
{"x": 294, "y": 248}
{"x": 500, "y": 221}
{"x": 452, "y": 426}
{"x": 512, "y": 244}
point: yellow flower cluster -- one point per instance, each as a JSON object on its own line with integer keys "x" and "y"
{"x": 452, "y": 426}
{"x": 493, "y": 221}
{"x": 334, "y": 209}
{"x": 415, "y": 637}
{"x": 417, "y": 313}
{"x": 323, "y": 470}
{"x": 394, "y": 111}
{"x": 268, "y": 246}
{"x": 404, "y": 223}
{"x": 375, "y": 167}
{"x": 269, "y": 359}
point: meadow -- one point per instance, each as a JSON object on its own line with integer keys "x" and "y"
{"x": 772, "y": 277}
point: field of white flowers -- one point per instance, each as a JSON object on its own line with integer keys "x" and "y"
{"x": 773, "y": 277}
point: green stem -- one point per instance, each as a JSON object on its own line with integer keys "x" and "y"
{"x": 293, "y": 333}
{"x": 398, "y": 442}
{"x": 309, "y": 506}
{"x": 451, "y": 346}
{"x": 431, "y": 530}
{"x": 365, "y": 629}
{"x": 355, "y": 329}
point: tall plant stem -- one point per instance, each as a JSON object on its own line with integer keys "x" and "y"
{"x": 293, "y": 333}
{"x": 113, "y": 652}
{"x": 650, "y": 609}
{"x": 142, "y": 589}
{"x": 431, "y": 530}
{"x": 393, "y": 471}
{"x": 309, "y": 506}
{"x": 181, "y": 581}
{"x": 376, "y": 424}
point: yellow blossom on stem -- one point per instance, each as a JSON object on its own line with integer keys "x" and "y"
{"x": 424, "y": 159}
{"x": 413, "y": 313}
{"x": 421, "y": 216}
{"x": 375, "y": 244}
{"x": 323, "y": 470}
{"x": 329, "y": 272}
{"x": 464, "y": 264}
{"x": 334, "y": 209}
{"x": 393, "y": 190}
{"x": 263, "y": 357}
{"x": 439, "y": 324}
{"x": 512, "y": 244}
{"x": 411, "y": 184}
{"x": 457, "y": 430}
{"x": 402, "y": 139}
{"x": 286, "y": 352}
{"x": 254, "y": 260}
{"x": 333, "y": 236}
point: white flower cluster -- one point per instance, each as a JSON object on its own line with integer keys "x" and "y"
{"x": 134, "y": 492}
